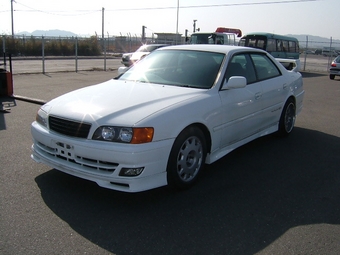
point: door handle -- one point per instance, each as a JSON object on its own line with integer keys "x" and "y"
{"x": 258, "y": 95}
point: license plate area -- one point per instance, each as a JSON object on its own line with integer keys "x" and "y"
{"x": 64, "y": 150}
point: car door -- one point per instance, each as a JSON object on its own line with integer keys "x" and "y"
{"x": 274, "y": 88}
{"x": 241, "y": 107}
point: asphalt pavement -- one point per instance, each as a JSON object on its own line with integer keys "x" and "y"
{"x": 271, "y": 196}
{"x": 40, "y": 88}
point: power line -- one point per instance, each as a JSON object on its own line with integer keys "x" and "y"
{"x": 215, "y": 5}
{"x": 257, "y": 3}
{"x": 61, "y": 13}
{"x": 86, "y": 12}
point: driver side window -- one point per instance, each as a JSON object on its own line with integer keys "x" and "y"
{"x": 241, "y": 65}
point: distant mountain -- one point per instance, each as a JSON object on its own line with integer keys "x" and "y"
{"x": 55, "y": 32}
{"x": 315, "y": 41}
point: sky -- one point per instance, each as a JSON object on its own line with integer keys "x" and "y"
{"x": 126, "y": 18}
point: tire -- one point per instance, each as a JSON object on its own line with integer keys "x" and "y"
{"x": 187, "y": 158}
{"x": 331, "y": 76}
{"x": 287, "y": 119}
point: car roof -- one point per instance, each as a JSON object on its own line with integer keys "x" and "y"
{"x": 225, "y": 49}
{"x": 156, "y": 44}
{"x": 153, "y": 45}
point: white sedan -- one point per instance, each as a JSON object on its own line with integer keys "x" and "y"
{"x": 129, "y": 59}
{"x": 163, "y": 119}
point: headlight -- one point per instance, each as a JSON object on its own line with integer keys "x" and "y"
{"x": 42, "y": 118}
{"x": 124, "y": 134}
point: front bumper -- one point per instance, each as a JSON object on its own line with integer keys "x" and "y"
{"x": 102, "y": 162}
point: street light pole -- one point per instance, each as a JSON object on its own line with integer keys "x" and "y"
{"x": 194, "y": 25}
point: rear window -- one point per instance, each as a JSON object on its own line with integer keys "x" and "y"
{"x": 265, "y": 68}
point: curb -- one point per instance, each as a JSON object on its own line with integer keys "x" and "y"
{"x": 29, "y": 99}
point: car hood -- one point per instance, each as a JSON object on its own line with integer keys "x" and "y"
{"x": 118, "y": 102}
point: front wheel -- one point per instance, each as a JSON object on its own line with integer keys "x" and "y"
{"x": 187, "y": 158}
{"x": 287, "y": 119}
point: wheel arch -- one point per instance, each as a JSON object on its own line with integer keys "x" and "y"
{"x": 206, "y": 133}
{"x": 185, "y": 165}
{"x": 285, "y": 119}
{"x": 291, "y": 97}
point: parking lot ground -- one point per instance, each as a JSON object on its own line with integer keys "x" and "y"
{"x": 45, "y": 87}
{"x": 271, "y": 196}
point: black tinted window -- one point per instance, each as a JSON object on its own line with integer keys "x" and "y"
{"x": 241, "y": 65}
{"x": 264, "y": 67}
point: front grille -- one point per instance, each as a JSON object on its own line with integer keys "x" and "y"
{"x": 69, "y": 127}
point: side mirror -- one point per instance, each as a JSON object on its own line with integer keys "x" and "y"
{"x": 235, "y": 82}
{"x": 122, "y": 70}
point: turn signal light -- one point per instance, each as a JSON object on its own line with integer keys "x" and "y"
{"x": 142, "y": 135}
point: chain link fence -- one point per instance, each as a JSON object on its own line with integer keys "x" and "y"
{"x": 75, "y": 48}
{"x": 315, "y": 56}
{"x": 318, "y": 55}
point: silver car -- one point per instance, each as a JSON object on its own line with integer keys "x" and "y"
{"x": 334, "y": 70}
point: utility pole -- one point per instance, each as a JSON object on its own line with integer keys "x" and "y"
{"x": 143, "y": 34}
{"x": 103, "y": 39}
{"x": 12, "y": 18}
{"x": 177, "y": 20}
{"x": 103, "y": 24}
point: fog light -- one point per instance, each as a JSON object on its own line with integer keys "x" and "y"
{"x": 131, "y": 171}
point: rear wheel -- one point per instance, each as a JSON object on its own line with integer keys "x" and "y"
{"x": 287, "y": 119}
{"x": 331, "y": 76}
{"x": 187, "y": 158}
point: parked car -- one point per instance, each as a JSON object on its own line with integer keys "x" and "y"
{"x": 318, "y": 52}
{"x": 310, "y": 52}
{"x": 163, "y": 119}
{"x": 334, "y": 70}
{"x": 129, "y": 59}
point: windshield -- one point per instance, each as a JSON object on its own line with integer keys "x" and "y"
{"x": 186, "y": 68}
{"x": 201, "y": 39}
